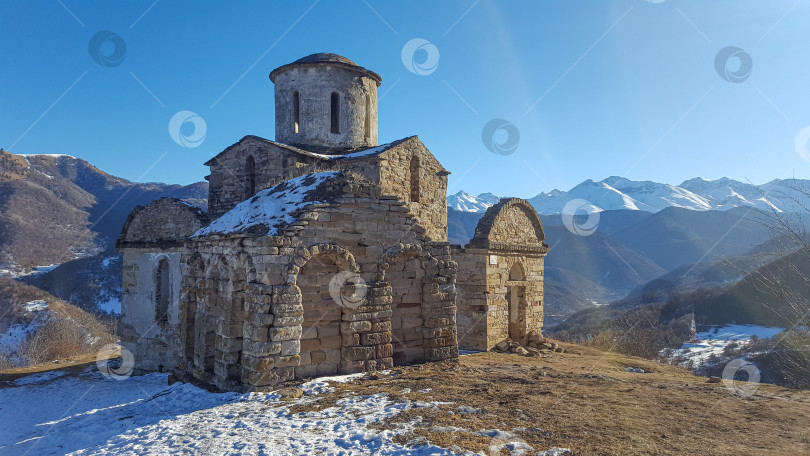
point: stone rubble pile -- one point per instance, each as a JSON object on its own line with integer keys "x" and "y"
{"x": 537, "y": 345}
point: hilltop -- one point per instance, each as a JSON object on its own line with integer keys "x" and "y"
{"x": 488, "y": 403}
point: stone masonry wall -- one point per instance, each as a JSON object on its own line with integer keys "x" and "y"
{"x": 151, "y": 341}
{"x": 396, "y": 179}
{"x": 262, "y": 304}
{"x": 501, "y": 274}
{"x": 315, "y": 84}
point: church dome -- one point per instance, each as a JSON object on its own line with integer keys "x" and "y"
{"x": 327, "y": 58}
{"x": 326, "y": 101}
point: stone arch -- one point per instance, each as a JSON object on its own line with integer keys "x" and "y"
{"x": 303, "y": 255}
{"x": 407, "y": 271}
{"x": 163, "y": 222}
{"x": 498, "y": 217}
{"x": 392, "y": 253}
{"x": 517, "y": 272}
{"x": 319, "y": 273}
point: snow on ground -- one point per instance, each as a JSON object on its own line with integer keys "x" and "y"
{"x": 36, "y": 305}
{"x": 270, "y": 207}
{"x": 87, "y": 413}
{"x": 715, "y": 340}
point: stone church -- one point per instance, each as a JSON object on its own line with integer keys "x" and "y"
{"x": 322, "y": 252}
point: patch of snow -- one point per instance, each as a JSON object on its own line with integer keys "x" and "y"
{"x": 635, "y": 370}
{"x": 89, "y": 414}
{"x": 35, "y": 306}
{"x": 12, "y": 339}
{"x": 270, "y": 207}
{"x": 360, "y": 153}
{"x": 46, "y": 155}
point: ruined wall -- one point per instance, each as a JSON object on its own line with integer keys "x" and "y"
{"x": 152, "y": 244}
{"x": 162, "y": 221}
{"x": 398, "y": 176}
{"x": 150, "y": 338}
{"x": 472, "y": 318}
{"x": 268, "y": 305}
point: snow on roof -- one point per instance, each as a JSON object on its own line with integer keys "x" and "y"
{"x": 356, "y": 154}
{"x": 270, "y": 207}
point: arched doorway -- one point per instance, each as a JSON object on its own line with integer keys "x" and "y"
{"x": 516, "y": 302}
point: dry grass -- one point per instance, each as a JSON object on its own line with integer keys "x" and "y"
{"x": 69, "y": 331}
{"x": 586, "y": 401}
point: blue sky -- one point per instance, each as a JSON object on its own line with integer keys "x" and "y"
{"x": 595, "y": 88}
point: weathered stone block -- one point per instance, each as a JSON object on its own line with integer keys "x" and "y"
{"x": 285, "y": 333}
{"x": 357, "y": 353}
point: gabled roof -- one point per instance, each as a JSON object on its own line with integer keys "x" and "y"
{"x": 272, "y": 208}
{"x": 360, "y": 153}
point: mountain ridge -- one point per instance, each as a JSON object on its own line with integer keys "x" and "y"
{"x": 619, "y": 193}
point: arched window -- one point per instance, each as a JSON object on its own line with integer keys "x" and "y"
{"x": 296, "y": 102}
{"x": 335, "y": 113}
{"x": 162, "y": 291}
{"x": 415, "y": 189}
{"x": 516, "y": 272}
{"x": 368, "y": 118}
{"x": 250, "y": 176}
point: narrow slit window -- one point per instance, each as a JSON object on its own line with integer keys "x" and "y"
{"x": 162, "y": 291}
{"x": 296, "y": 111}
{"x": 250, "y": 176}
{"x": 335, "y": 113}
{"x": 415, "y": 179}
{"x": 368, "y": 118}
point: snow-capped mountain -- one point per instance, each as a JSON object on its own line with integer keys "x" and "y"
{"x": 464, "y": 202}
{"x": 617, "y": 193}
